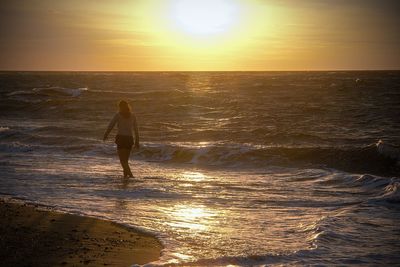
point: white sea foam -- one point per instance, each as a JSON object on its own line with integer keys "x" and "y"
{"x": 74, "y": 92}
{"x": 20, "y": 93}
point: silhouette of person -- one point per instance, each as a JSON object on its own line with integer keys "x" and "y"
{"x": 126, "y": 123}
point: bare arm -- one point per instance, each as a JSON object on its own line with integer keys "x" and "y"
{"x": 135, "y": 128}
{"x": 110, "y": 126}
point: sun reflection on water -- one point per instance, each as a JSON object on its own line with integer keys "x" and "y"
{"x": 196, "y": 218}
{"x": 194, "y": 176}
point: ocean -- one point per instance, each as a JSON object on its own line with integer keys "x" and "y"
{"x": 235, "y": 168}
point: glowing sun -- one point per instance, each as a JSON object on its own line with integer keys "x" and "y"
{"x": 205, "y": 17}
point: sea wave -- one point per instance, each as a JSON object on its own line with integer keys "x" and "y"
{"x": 37, "y": 95}
{"x": 380, "y": 190}
{"x": 365, "y": 159}
{"x": 390, "y": 194}
{"x": 56, "y": 90}
{"x": 357, "y": 159}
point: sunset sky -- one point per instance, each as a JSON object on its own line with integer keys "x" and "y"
{"x": 147, "y": 35}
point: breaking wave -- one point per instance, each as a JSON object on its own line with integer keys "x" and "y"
{"x": 353, "y": 159}
{"x": 364, "y": 159}
{"x": 37, "y": 95}
{"x": 74, "y": 92}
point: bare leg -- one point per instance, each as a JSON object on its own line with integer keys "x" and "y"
{"x": 123, "y": 155}
{"x": 128, "y": 153}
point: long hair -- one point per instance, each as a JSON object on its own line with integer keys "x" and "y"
{"x": 124, "y": 109}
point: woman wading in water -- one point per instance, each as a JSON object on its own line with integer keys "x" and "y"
{"x": 126, "y": 122}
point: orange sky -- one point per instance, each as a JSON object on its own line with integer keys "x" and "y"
{"x": 147, "y": 35}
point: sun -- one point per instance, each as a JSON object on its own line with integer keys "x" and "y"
{"x": 205, "y": 17}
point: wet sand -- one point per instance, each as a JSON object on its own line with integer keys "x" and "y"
{"x": 33, "y": 237}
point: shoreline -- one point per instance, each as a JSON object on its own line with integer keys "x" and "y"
{"x": 30, "y": 236}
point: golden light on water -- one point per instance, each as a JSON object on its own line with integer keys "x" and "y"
{"x": 191, "y": 213}
{"x": 194, "y": 176}
{"x": 195, "y": 218}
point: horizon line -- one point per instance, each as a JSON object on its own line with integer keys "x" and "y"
{"x": 310, "y": 70}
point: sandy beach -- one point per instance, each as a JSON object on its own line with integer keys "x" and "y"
{"x": 33, "y": 237}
